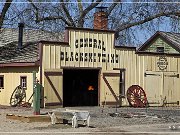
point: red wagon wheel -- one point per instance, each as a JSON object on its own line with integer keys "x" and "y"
{"x": 136, "y": 96}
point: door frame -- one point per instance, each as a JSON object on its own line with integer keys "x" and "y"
{"x": 85, "y": 68}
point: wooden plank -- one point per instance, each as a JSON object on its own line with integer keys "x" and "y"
{"x": 37, "y": 118}
{"x": 58, "y": 51}
{"x": 52, "y": 56}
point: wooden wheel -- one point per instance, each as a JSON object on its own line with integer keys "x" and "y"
{"x": 136, "y": 96}
{"x": 17, "y": 96}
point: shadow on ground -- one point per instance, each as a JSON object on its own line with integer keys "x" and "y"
{"x": 60, "y": 126}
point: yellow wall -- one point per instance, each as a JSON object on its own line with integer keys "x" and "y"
{"x": 53, "y": 53}
{"x": 136, "y": 65}
{"x": 12, "y": 80}
{"x": 95, "y": 49}
{"x": 92, "y": 53}
{"x": 161, "y": 83}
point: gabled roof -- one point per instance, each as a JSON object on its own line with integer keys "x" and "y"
{"x": 11, "y": 54}
{"x": 8, "y": 35}
{"x": 173, "y": 39}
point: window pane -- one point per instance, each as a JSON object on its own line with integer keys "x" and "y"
{"x": 1, "y": 82}
{"x": 160, "y": 49}
{"x": 24, "y": 82}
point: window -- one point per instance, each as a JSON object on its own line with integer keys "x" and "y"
{"x": 23, "y": 81}
{"x": 1, "y": 82}
{"x": 160, "y": 49}
{"x": 122, "y": 82}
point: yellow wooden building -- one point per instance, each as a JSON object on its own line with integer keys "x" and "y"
{"x": 88, "y": 69}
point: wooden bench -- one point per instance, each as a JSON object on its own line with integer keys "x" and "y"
{"x": 73, "y": 115}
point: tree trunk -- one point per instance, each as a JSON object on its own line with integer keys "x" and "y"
{"x": 4, "y": 11}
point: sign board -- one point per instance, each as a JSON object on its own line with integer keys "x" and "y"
{"x": 162, "y": 63}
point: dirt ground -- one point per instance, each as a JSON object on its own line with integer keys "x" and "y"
{"x": 125, "y": 121}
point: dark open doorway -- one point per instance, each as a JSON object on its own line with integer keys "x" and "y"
{"x": 80, "y": 87}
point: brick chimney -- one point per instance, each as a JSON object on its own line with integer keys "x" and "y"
{"x": 100, "y": 18}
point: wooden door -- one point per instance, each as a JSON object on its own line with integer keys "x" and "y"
{"x": 53, "y": 88}
{"x": 170, "y": 88}
{"x": 153, "y": 87}
{"x": 112, "y": 89}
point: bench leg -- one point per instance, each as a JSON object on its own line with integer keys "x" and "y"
{"x": 53, "y": 118}
{"x": 74, "y": 122}
{"x": 88, "y": 120}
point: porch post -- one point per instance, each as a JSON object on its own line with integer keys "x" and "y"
{"x": 36, "y": 95}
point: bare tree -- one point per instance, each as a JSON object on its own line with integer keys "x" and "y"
{"x": 126, "y": 18}
{"x": 141, "y": 16}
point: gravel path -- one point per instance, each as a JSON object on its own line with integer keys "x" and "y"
{"x": 103, "y": 120}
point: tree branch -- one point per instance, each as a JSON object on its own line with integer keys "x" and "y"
{"x": 67, "y": 14}
{"x": 116, "y": 2}
{"x": 36, "y": 10}
{"x": 80, "y": 6}
{"x": 84, "y": 13}
{"x": 34, "y": 6}
{"x": 147, "y": 19}
{"x": 4, "y": 11}
{"x": 49, "y": 18}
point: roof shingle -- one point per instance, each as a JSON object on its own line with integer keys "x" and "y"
{"x": 174, "y": 38}
{"x": 11, "y": 54}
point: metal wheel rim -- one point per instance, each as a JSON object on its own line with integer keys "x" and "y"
{"x": 17, "y": 96}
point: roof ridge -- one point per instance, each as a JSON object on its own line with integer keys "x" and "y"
{"x": 168, "y": 32}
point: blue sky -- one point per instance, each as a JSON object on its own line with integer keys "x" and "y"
{"x": 141, "y": 35}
